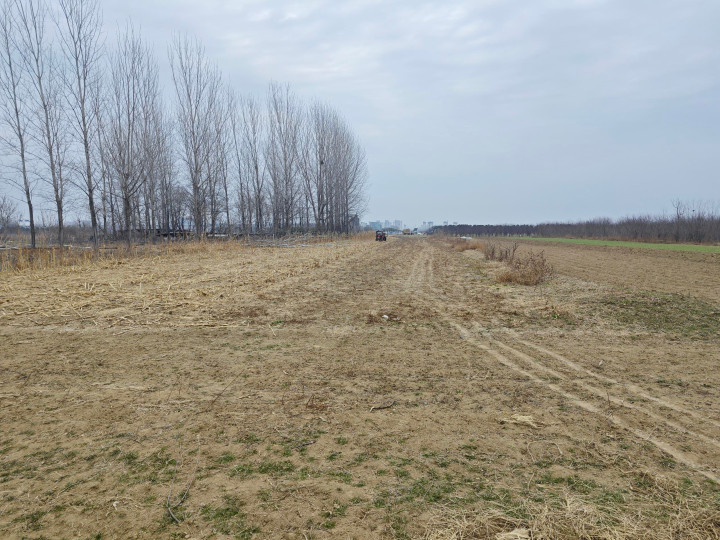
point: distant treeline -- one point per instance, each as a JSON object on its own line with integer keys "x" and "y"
{"x": 695, "y": 223}
{"x": 486, "y": 230}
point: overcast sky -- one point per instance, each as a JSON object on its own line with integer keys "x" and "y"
{"x": 488, "y": 111}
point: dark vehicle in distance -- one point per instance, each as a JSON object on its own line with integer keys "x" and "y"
{"x": 380, "y": 236}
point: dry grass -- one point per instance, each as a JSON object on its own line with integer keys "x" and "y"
{"x": 574, "y": 519}
{"x": 22, "y": 259}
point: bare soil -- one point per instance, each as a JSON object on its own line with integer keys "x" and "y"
{"x": 361, "y": 389}
{"x": 690, "y": 273}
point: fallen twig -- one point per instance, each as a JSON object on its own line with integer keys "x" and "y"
{"x": 221, "y": 393}
{"x": 306, "y": 443}
{"x": 379, "y": 407}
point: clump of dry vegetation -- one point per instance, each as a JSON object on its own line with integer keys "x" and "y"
{"x": 501, "y": 253}
{"x": 529, "y": 269}
{"x": 466, "y": 244}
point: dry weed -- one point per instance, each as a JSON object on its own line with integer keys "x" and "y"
{"x": 501, "y": 253}
{"x": 466, "y": 244}
{"x": 532, "y": 269}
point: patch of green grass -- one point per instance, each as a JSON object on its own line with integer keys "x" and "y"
{"x": 363, "y": 457}
{"x": 250, "y": 438}
{"x": 343, "y": 476}
{"x": 32, "y": 520}
{"x": 229, "y": 518}
{"x": 573, "y": 482}
{"x": 619, "y": 243}
{"x": 431, "y": 490}
{"x": 226, "y": 457}
{"x": 157, "y": 467}
{"x": 276, "y": 468}
{"x": 664, "y": 312}
{"x": 337, "y": 510}
{"x": 607, "y": 497}
{"x": 243, "y": 470}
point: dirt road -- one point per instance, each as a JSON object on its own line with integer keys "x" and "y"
{"x": 354, "y": 390}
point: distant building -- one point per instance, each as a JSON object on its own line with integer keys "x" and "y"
{"x": 387, "y": 224}
{"x": 398, "y": 224}
{"x": 376, "y": 225}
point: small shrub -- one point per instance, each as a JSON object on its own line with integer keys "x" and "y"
{"x": 532, "y": 269}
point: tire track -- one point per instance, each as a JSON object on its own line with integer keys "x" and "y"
{"x": 421, "y": 269}
{"x": 576, "y": 400}
{"x": 597, "y": 392}
{"x": 630, "y": 387}
{"x": 421, "y": 280}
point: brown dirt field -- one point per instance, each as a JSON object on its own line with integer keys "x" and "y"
{"x": 360, "y": 390}
{"x": 695, "y": 274}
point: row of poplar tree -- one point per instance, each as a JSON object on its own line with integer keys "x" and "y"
{"x": 88, "y": 119}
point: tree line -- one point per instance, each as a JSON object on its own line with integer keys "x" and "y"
{"x": 485, "y": 230}
{"x": 689, "y": 222}
{"x": 693, "y": 222}
{"x": 84, "y": 119}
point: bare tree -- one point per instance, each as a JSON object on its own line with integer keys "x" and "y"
{"x": 243, "y": 192}
{"x": 44, "y": 72}
{"x": 134, "y": 96}
{"x": 333, "y": 169}
{"x": 164, "y": 170}
{"x": 314, "y": 160}
{"x": 223, "y": 149}
{"x": 80, "y": 33}
{"x": 248, "y": 141}
{"x": 197, "y": 87}
{"x": 100, "y": 157}
{"x": 7, "y": 215}
{"x": 14, "y": 104}
{"x": 281, "y": 154}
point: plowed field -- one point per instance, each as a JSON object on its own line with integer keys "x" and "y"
{"x": 361, "y": 389}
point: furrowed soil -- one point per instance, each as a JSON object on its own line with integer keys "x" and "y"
{"x": 361, "y": 389}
